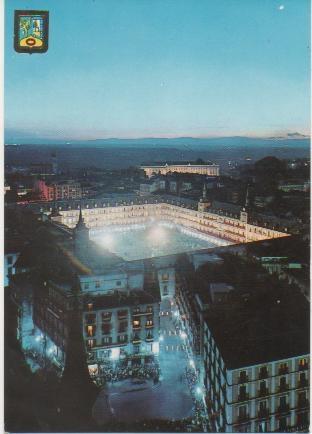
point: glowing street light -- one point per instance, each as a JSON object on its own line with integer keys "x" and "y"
{"x": 192, "y": 364}
{"x": 183, "y": 335}
{"x": 199, "y": 390}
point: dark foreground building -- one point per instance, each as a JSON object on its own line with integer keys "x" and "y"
{"x": 252, "y": 346}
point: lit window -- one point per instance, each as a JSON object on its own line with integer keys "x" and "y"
{"x": 90, "y": 306}
{"x": 90, "y": 343}
{"x": 149, "y": 323}
{"x": 90, "y": 330}
{"x": 303, "y": 363}
{"x": 136, "y": 323}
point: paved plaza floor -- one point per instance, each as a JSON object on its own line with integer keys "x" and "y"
{"x": 132, "y": 400}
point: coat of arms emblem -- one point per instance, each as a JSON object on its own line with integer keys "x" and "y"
{"x": 31, "y": 31}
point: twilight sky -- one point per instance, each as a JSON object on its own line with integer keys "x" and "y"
{"x": 166, "y": 68}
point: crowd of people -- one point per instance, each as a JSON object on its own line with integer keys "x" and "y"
{"x": 109, "y": 373}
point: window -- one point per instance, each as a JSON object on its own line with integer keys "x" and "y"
{"x": 90, "y": 318}
{"x": 242, "y": 392}
{"x": 263, "y": 388}
{"x": 242, "y": 411}
{"x": 10, "y": 271}
{"x": 106, "y": 316}
{"x": 86, "y": 286}
{"x": 165, "y": 290}
{"x": 136, "y": 310}
{"x": 136, "y": 323}
{"x": 303, "y": 379}
{"x": 90, "y": 306}
{"x": 10, "y": 259}
{"x": 165, "y": 276}
{"x": 302, "y": 401}
{"x": 303, "y": 363}
{"x": 122, "y": 314}
{"x": 118, "y": 283}
{"x": 263, "y": 372}
{"x": 123, "y": 325}
{"x": 149, "y": 309}
{"x": 122, "y": 338}
{"x": 106, "y": 340}
{"x": 283, "y": 368}
{"x": 283, "y": 383}
{"x": 149, "y": 323}
{"x": 242, "y": 376}
{"x": 91, "y": 330}
{"x": 97, "y": 284}
{"x": 90, "y": 343}
{"x": 283, "y": 402}
{"x": 106, "y": 328}
{"x": 262, "y": 405}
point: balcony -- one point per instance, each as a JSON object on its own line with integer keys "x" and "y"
{"x": 263, "y": 392}
{"x": 263, "y": 374}
{"x": 243, "y": 397}
{"x": 243, "y": 378}
{"x": 304, "y": 367}
{"x": 136, "y": 327}
{"x": 283, "y": 387}
{"x": 243, "y": 418}
{"x": 282, "y": 409}
{"x": 283, "y": 371}
{"x": 136, "y": 340}
{"x": 303, "y": 403}
{"x": 263, "y": 413}
{"x": 150, "y": 326}
{"x": 303, "y": 383}
{"x": 149, "y": 339}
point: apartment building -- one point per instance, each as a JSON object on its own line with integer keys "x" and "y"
{"x": 251, "y": 351}
{"x": 62, "y": 190}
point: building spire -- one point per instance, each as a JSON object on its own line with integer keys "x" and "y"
{"x": 247, "y": 197}
{"x": 80, "y": 219}
{"x": 205, "y": 191}
{"x": 77, "y": 391}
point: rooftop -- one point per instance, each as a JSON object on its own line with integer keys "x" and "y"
{"x": 177, "y": 163}
{"x": 267, "y": 326}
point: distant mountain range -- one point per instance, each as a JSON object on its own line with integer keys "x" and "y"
{"x": 291, "y": 139}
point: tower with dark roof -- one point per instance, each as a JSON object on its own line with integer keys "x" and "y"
{"x": 81, "y": 233}
{"x": 204, "y": 203}
{"x": 245, "y": 209}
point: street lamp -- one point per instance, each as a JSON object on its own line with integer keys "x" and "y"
{"x": 183, "y": 335}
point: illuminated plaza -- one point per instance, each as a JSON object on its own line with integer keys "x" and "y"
{"x": 151, "y": 240}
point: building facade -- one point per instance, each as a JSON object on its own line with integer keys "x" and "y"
{"x": 198, "y": 169}
{"x": 58, "y": 190}
{"x": 267, "y": 397}
{"x": 222, "y": 227}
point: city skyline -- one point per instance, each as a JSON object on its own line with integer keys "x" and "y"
{"x": 162, "y": 69}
